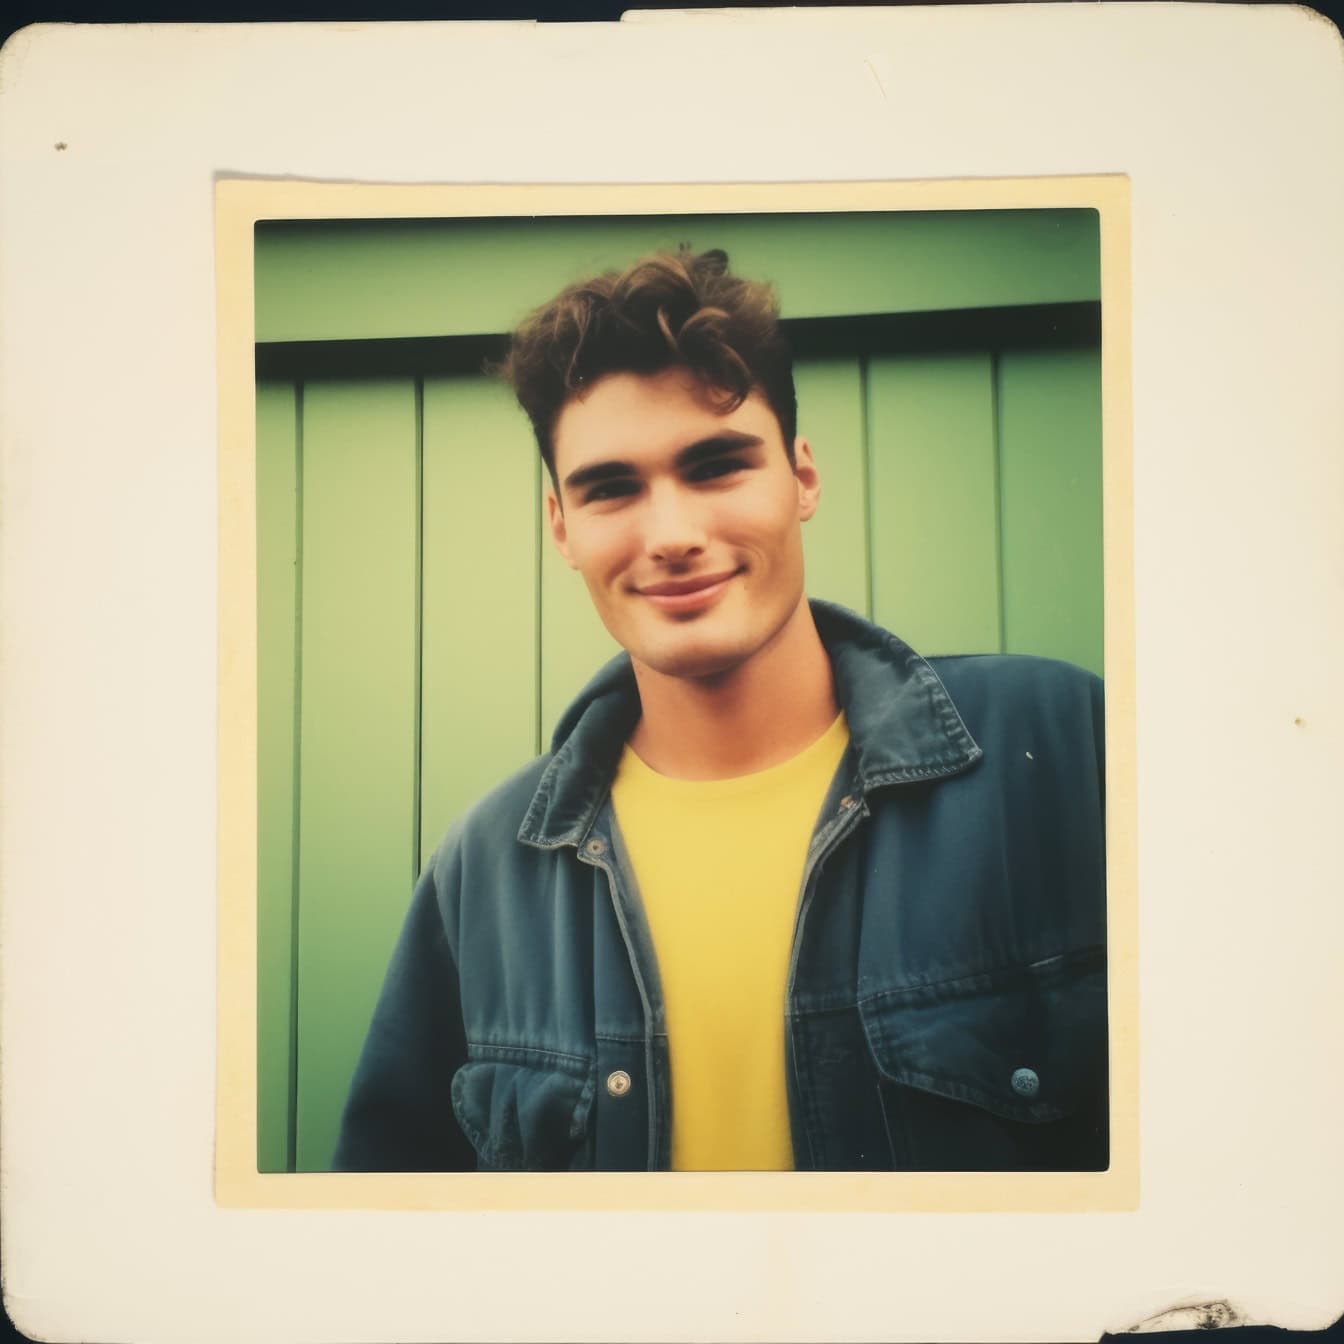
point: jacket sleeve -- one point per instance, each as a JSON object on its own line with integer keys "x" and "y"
{"x": 399, "y": 1113}
{"x": 1099, "y": 748}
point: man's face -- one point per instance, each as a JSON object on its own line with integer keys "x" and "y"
{"x": 685, "y": 523}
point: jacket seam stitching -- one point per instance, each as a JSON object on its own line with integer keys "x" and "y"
{"x": 1059, "y": 959}
{"x": 958, "y": 1091}
{"x": 525, "y": 1052}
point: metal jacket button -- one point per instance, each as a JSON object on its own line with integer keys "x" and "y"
{"x": 1026, "y": 1083}
{"x": 596, "y": 846}
{"x": 618, "y": 1083}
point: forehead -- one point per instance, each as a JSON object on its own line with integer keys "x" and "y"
{"x": 637, "y": 417}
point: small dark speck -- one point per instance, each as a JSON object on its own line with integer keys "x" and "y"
{"x": 1298, "y": 720}
{"x": 60, "y": 144}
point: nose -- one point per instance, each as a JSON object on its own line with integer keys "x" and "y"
{"x": 674, "y": 525}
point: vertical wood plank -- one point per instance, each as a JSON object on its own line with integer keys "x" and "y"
{"x": 277, "y": 707}
{"x": 1050, "y": 468}
{"x": 479, "y": 621}
{"x": 357, "y": 712}
{"x": 835, "y": 540}
{"x": 934, "y": 501}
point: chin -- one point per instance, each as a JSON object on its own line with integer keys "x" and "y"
{"x": 692, "y": 658}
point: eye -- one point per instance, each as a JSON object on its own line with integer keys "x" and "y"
{"x": 605, "y": 490}
{"x": 715, "y": 468}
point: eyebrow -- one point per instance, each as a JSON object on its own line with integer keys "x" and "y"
{"x": 702, "y": 450}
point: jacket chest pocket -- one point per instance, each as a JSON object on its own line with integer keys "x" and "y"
{"x": 1003, "y": 1072}
{"x": 525, "y": 1110}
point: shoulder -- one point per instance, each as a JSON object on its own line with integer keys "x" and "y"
{"x": 1022, "y": 679}
{"x": 864, "y": 654}
{"x": 1018, "y": 698}
{"x": 490, "y": 825}
{"x": 1018, "y": 707}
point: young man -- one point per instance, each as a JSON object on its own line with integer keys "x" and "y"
{"x": 783, "y": 894}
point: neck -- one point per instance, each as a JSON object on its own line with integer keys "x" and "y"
{"x": 753, "y": 716}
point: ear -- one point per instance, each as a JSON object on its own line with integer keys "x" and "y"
{"x": 555, "y": 518}
{"x": 808, "y": 478}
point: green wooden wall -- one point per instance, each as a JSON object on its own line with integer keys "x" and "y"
{"x": 418, "y": 636}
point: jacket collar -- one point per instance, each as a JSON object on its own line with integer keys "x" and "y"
{"x": 902, "y": 724}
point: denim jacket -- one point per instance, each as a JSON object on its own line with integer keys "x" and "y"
{"x": 946, "y": 1000}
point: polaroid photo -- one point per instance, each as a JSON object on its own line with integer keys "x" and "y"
{"x": 287, "y": 603}
{"x": 941, "y": 376}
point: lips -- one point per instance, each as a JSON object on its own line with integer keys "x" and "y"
{"x": 689, "y": 594}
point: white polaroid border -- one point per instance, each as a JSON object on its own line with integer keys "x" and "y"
{"x": 1225, "y": 121}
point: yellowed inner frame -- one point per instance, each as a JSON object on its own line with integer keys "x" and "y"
{"x": 239, "y": 205}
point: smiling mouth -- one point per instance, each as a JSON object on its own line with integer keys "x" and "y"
{"x": 693, "y": 594}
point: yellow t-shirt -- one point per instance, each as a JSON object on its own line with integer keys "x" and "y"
{"x": 719, "y": 864}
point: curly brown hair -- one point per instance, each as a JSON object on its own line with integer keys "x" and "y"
{"x": 669, "y": 309}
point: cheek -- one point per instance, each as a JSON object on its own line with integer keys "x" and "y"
{"x": 768, "y": 525}
{"x": 602, "y": 552}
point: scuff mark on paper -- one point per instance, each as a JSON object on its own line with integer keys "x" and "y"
{"x": 872, "y": 70}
